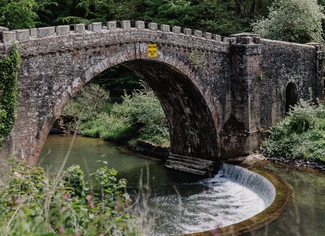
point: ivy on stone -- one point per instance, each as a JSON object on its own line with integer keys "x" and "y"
{"x": 9, "y": 67}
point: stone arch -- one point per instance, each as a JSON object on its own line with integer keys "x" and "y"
{"x": 291, "y": 96}
{"x": 191, "y": 124}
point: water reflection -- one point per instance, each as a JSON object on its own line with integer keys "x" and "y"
{"x": 305, "y": 216}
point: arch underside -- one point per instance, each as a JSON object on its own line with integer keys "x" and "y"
{"x": 192, "y": 129}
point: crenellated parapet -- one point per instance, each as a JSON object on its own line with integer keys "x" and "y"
{"x": 23, "y": 35}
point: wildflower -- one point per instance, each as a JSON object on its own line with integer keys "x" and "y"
{"x": 117, "y": 206}
{"x": 91, "y": 204}
{"x": 126, "y": 205}
{"x": 214, "y": 232}
{"x": 66, "y": 197}
{"x": 17, "y": 200}
{"x": 61, "y": 230}
{"x": 89, "y": 197}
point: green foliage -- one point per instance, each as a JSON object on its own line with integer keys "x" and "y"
{"x": 140, "y": 115}
{"x": 292, "y": 20}
{"x": 300, "y": 135}
{"x": 118, "y": 80}
{"x": 144, "y": 112}
{"x": 34, "y": 204}
{"x": 220, "y": 17}
{"x": 9, "y": 67}
{"x": 88, "y": 103}
{"x": 21, "y": 14}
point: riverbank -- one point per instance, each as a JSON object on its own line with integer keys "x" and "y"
{"x": 318, "y": 165}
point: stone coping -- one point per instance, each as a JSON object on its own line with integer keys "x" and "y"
{"x": 282, "y": 198}
{"x": 65, "y": 30}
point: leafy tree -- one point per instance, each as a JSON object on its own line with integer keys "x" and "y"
{"x": 21, "y": 14}
{"x": 219, "y": 17}
{"x": 118, "y": 79}
{"x": 292, "y": 20}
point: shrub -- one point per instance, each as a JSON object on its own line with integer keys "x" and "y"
{"x": 90, "y": 101}
{"x": 300, "y": 135}
{"x": 34, "y": 204}
{"x": 140, "y": 115}
{"x": 144, "y": 112}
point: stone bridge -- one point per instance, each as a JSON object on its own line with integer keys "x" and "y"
{"x": 219, "y": 96}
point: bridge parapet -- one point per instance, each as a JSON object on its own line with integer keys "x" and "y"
{"x": 8, "y": 37}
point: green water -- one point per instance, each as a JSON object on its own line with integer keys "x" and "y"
{"x": 305, "y": 216}
{"x": 202, "y": 208}
{"x": 199, "y": 205}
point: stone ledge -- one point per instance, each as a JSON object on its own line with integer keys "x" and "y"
{"x": 152, "y": 149}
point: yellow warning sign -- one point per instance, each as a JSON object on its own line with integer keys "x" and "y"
{"x": 152, "y": 50}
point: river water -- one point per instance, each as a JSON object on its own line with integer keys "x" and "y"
{"x": 200, "y": 204}
{"x": 183, "y": 203}
{"x": 306, "y": 213}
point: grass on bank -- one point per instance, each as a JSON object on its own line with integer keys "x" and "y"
{"x": 139, "y": 116}
{"x": 301, "y": 135}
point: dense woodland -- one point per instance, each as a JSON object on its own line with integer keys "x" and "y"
{"x": 222, "y": 17}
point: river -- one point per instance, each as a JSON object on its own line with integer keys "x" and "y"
{"x": 186, "y": 203}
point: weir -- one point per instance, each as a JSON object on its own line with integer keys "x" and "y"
{"x": 257, "y": 183}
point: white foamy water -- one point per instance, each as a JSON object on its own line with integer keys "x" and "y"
{"x": 223, "y": 202}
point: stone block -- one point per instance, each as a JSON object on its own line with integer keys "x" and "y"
{"x": 233, "y": 40}
{"x": 165, "y": 28}
{"x": 33, "y": 33}
{"x": 62, "y": 30}
{"x": 8, "y": 36}
{"x": 79, "y": 28}
{"x": 126, "y": 24}
{"x": 217, "y": 38}
{"x": 104, "y": 27}
{"x": 226, "y": 40}
{"x": 187, "y": 31}
{"x": 246, "y": 40}
{"x": 176, "y": 29}
{"x": 3, "y": 29}
{"x": 140, "y": 24}
{"x": 22, "y": 35}
{"x": 198, "y": 33}
{"x": 111, "y": 25}
{"x": 52, "y": 31}
{"x": 96, "y": 27}
{"x": 90, "y": 27}
{"x": 153, "y": 26}
{"x": 45, "y": 32}
{"x": 207, "y": 35}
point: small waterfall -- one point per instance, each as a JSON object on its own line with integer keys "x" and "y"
{"x": 255, "y": 182}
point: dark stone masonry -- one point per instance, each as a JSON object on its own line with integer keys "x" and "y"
{"x": 219, "y": 97}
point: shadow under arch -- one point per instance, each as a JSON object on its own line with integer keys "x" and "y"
{"x": 291, "y": 96}
{"x": 191, "y": 125}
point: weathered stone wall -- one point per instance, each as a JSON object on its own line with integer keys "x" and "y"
{"x": 218, "y": 96}
{"x": 282, "y": 63}
{"x": 196, "y": 99}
